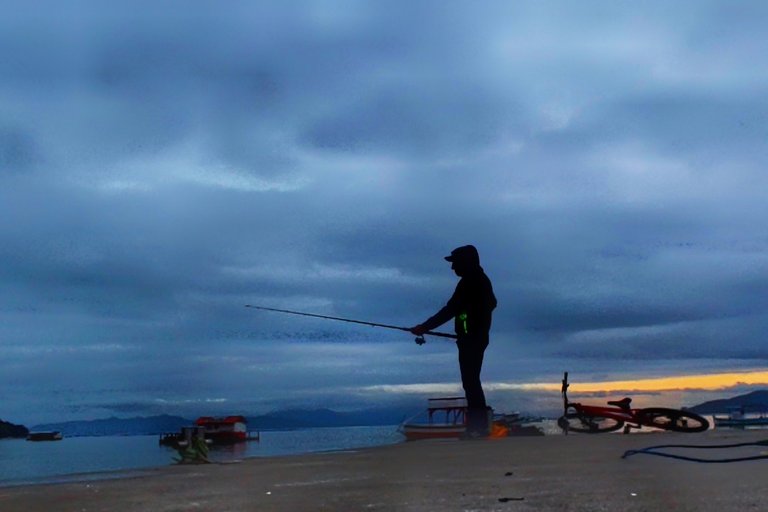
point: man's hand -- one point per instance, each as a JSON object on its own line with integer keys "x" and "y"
{"x": 419, "y": 330}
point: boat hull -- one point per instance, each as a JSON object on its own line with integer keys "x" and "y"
{"x": 45, "y": 436}
{"x": 226, "y": 437}
{"x": 744, "y": 422}
{"x": 418, "y": 432}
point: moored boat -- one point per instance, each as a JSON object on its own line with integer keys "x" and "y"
{"x": 737, "y": 417}
{"x": 446, "y": 418}
{"x": 54, "y": 435}
{"x": 226, "y": 430}
{"x": 231, "y": 429}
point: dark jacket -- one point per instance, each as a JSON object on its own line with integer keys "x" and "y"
{"x": 471, "y": 307}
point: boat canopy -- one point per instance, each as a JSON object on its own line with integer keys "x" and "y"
{"x": 230, "y": 420}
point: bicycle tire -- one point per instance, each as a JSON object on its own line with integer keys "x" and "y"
{"x": 577, "y": 422}
{"x": 672, "y": 419}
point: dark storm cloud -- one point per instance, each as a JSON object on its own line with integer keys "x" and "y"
{"x": 163, "y": 165}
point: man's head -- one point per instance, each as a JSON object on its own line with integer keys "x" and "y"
{"x": 463, "y": 258}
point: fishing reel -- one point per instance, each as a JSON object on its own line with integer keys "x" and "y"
{"x": 420, "y": 340}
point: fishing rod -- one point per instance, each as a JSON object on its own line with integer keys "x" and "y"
{"x": 419, "y": 339}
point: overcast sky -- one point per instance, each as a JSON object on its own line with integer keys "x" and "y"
{"x": 161, "y": 167}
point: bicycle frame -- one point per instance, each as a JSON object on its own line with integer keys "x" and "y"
{"x": 620, "y": 411}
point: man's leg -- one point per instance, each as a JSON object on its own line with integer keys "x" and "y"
{"x": 470, "y": 364}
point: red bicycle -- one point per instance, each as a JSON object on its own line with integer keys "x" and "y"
{"x": 594, "y": 419}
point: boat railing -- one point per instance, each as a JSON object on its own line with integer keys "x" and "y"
{"x": 453, "y": 402}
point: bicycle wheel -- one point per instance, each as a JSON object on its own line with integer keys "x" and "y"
{"x": 672, "y": 419}
{"x": 576, "y": 422}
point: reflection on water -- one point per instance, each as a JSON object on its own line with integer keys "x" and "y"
{"x": 230, "y": 451}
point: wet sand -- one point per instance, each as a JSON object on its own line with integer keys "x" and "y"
{"x": 559, "y": 473}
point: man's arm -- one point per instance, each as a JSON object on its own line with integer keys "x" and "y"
{"x": 448, "y": 311}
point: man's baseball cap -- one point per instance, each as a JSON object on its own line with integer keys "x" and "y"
{"x": 464, "y": 254}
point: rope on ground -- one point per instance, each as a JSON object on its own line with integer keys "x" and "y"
{"x": 651, "y": 450}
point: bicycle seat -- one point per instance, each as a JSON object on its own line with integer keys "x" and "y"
{"x": 622, "y": 404}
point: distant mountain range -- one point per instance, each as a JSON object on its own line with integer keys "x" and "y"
{"x": 117, "y": 426}
{"x": 754, "y": 401}
{"x": 303, "y": 418}
{"x": 286, "y": 419}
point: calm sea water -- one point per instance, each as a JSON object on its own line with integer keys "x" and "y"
{"x": 82, "y": 458}
{"x": 78, "y": 458}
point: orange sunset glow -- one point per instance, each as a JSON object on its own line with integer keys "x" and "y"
{"x": 709, "y": 382}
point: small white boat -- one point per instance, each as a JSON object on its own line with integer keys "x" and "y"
{"x": 446, "y": 418}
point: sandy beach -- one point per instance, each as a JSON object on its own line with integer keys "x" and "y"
{"x": 563, "y": 473}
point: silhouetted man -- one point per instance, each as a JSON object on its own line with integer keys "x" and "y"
{"x": 471, "y": 307}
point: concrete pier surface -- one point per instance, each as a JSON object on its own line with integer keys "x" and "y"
{"x": 558, "y": 473}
